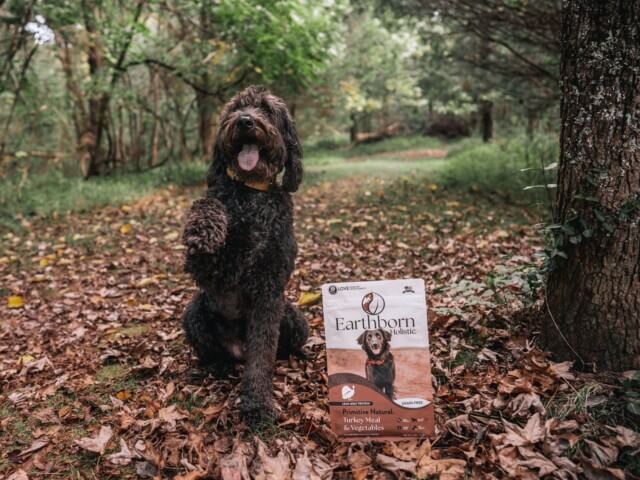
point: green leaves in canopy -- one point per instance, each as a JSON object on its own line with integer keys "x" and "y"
{"x": 281, "y": 40}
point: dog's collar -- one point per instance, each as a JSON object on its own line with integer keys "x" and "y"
{"x": 254, "y": 185}
{"x": 380, "y": 361}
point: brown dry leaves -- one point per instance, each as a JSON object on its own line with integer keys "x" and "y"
{"x": 95, "y": 377}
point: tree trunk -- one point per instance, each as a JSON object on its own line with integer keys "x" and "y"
{"x": 532, "y": 121}
{"x": 593, "y": 295}
{"x": 206, "y": 124}
{"x": 353, "y": 129}
{"x": 486, "y": 120}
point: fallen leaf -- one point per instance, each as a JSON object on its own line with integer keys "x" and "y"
{"x": 18, "y": 475}
{"x": 36, "y": 445}
{"x": 626, "y": 438}
{"x": 445, "y": 468}
{"x": 487, "y": 355}
{"x": 24, "y": 359}
{"x": 123, "y": 395}
{"x": 170, "y": 415}
{"x": 536, "y": 461}
{"x": 394, "y": 465}
{"x": 596, "y": 472}
{"x": 124, "y": 456}
{"x": 531, "y": 433}
{"x": 562, "y": 370}
{"x": 359, "y": 462}
{"x": 309, "y": 298}
{"x": 304, "y": 469}
{"x": 407, "y": 450}
{"x": 234, "y": 465}
{"x": 525, "y": 404}
{"x": 15, "y": 301}
{"x": 195, "y": 475}
{"x": 212, "y": 411}
{"x": 602, "y": 455}
{"x": 145, "y": 282}
{"x": 98, "y": 443}
{"x": 268, "y": 467}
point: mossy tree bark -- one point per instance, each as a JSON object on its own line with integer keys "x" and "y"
{"x": 593, "y": 288}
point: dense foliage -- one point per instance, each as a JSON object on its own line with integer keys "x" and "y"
{"x": 93, "y": 87}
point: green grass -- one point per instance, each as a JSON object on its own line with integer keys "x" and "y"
{"x": 504, "y": 166}
{"x": 382, "y": 159}
{"x": 466, "y": 358}
{"x": 413, "y": 142}
{"x": 470, "y": 165}
{"x": 336, "y": 168}
{"x": 45, "y": 194}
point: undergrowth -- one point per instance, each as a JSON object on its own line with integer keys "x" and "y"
{"x": 49, "y": 193}
{"x": 516, "y": 168}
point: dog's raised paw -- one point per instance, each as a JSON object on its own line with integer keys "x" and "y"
{"x": 206, "y": 227}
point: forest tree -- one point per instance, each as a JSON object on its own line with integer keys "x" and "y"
{"x": 593, "y": 291}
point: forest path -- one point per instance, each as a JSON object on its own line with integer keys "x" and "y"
{"x": 92, "y": 357}
{"x": 412, "y": 154}
{"x": 387, "y": 164}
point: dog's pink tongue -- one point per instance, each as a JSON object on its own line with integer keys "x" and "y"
{"x": 248, "y": 157}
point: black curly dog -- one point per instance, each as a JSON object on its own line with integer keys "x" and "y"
{"x": 241, "y": 249}
{"x": 380, "y": 368}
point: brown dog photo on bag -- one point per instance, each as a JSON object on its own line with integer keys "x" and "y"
{"x": 380, "y": 369}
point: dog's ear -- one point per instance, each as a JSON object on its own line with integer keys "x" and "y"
{"x": 386, "y": 335}
{"x": 293, "y": 163}
{"x": 361, "y": 338}
{"x": 218, "y": 165}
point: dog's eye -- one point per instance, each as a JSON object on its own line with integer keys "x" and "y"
{"x": 266, "y": 108}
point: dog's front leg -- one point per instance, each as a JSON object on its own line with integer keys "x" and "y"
{"x": 263, "y": 330}
{"x": 206, "y": 228}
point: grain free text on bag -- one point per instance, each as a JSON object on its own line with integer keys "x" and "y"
{"x": 378, "y": 359}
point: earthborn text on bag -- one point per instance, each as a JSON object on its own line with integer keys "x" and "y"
{"x": 378, "y": 359}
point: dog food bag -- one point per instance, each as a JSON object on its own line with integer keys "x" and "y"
{"x": 378, "y": 359}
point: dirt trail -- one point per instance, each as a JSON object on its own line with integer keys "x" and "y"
{"x": 415, "y": 154}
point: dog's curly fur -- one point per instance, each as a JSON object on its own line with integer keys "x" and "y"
{"x": 206, "y": 227}
{"x": 241, "y": 251}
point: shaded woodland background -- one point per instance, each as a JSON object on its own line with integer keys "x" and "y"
{"x": 92, "y": 88}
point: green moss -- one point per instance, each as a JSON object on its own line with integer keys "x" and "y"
{"x": 466, "y": 358}
{"x": 133, "y": 330}
{"x": 110, "y": 373}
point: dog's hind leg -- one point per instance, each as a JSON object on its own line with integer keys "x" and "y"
{"x": 197, "y": 322}
{"x": 294, "y": 332}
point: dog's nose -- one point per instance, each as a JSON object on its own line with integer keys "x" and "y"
{"x": 245, "y": 122}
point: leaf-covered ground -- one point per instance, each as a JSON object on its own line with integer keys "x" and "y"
{"x": 96, "y": 381}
